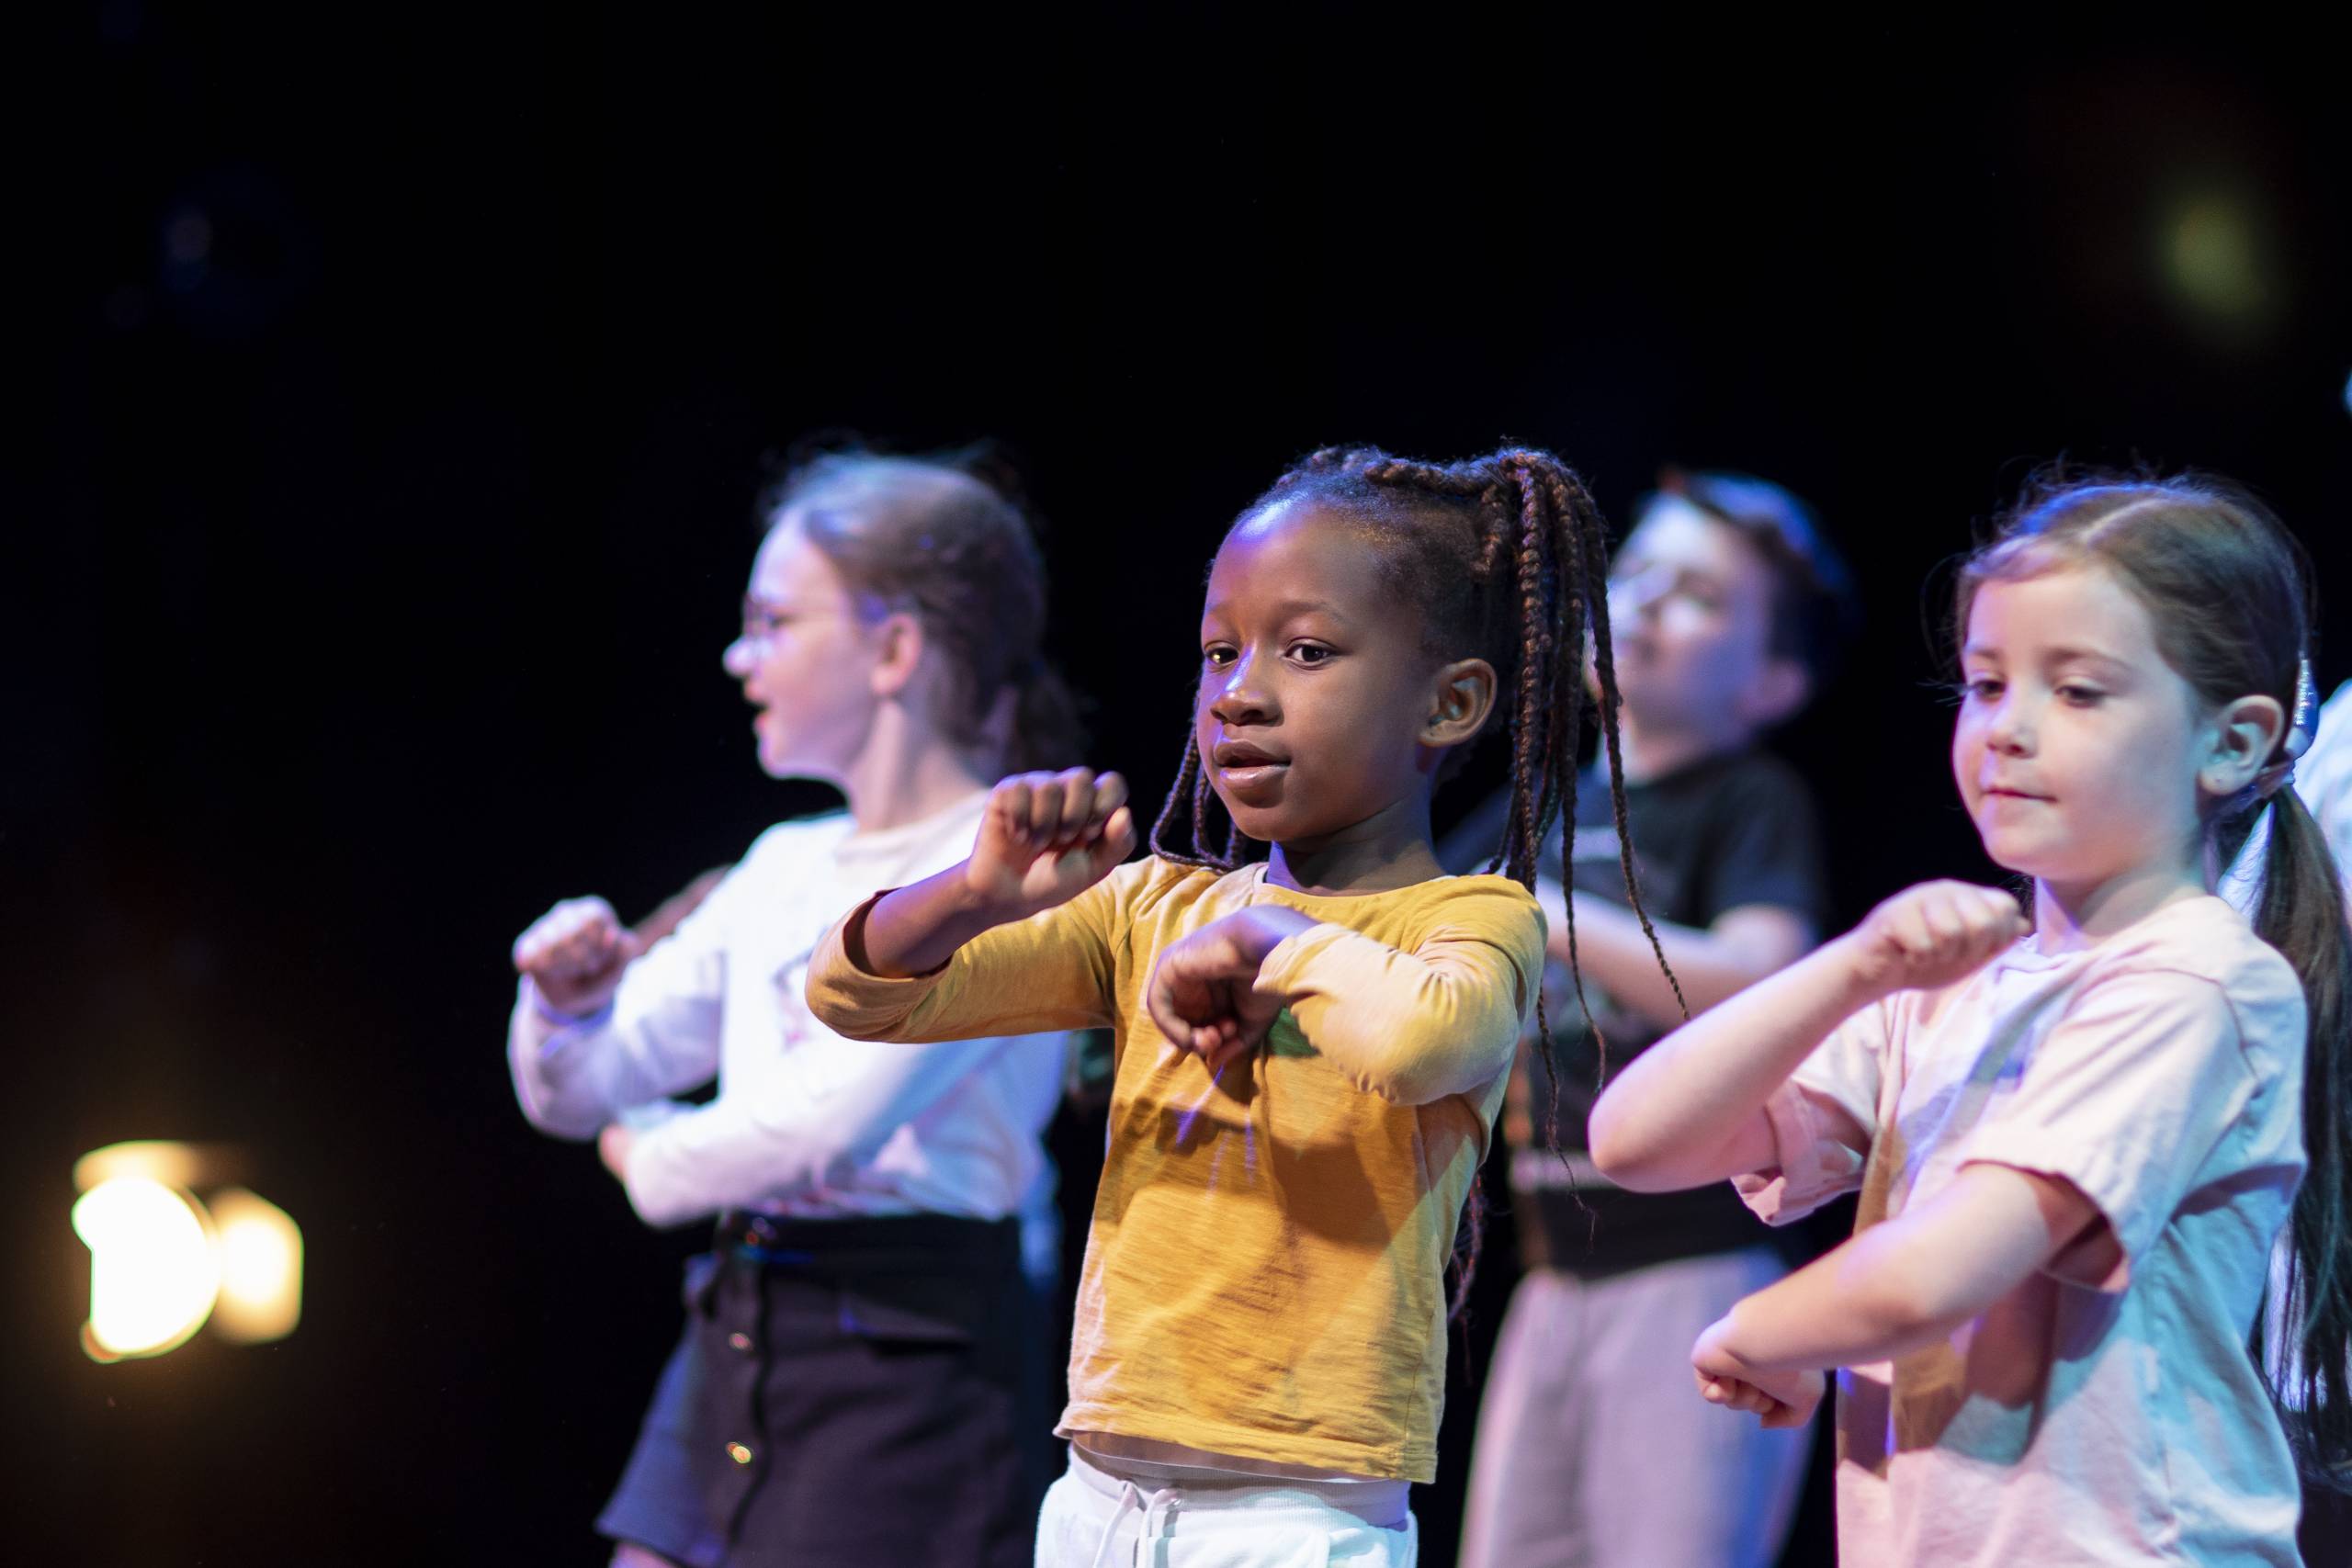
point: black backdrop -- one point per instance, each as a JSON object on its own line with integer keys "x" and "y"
{"x": 398, "y": 389}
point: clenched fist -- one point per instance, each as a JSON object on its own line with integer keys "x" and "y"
{"x": 1776, "y": 1398}
{"x": 574, "y": 953}
{"x": 1046, "y": 838}
{"x": 1932, "y": 935}
{"x": 1204, "y": 993}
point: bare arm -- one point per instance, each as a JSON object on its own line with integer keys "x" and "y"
{"x": 1713, "y": 962}
{"x": 1910, "y": 1281}
{"x": 1691, "y": 1109}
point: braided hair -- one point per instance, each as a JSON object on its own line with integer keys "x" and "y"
{"x": 1506, "y": 558}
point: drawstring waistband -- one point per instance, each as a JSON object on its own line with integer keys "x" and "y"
{"x": 1223, "y": 1502}
{"x": 1158, "y": 1511}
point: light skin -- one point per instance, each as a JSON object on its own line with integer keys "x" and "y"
{"x": 2086, "y": 762}
{"x": 1321, "y": 720}
{"x": 845, "y": 692}
{"x": 1690, "y": 610}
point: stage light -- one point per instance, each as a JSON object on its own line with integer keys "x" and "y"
{"x": 2213, "y": 258}
{"x": 260, "y": 1249}
{"x": 153, "y": 1271}
{"x": 163, "y": 1262}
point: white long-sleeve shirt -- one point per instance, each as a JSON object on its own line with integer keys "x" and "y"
{"x": 806, "y": 1123}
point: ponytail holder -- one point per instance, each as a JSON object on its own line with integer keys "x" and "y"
{"x": 2301, "y": 725}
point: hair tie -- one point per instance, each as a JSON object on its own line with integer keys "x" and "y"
{"x": 2303, "y": 724}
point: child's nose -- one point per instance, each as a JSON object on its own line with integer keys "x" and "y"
{"x": 1634, "y": 595}
{"x": 1241, "y": 698}
{"x": 2011, "y": 729}
{"x": 737, "y": 660}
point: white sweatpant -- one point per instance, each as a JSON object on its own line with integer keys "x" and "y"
{"x": 1594, "y": 1448}
{"x": 1094, "y": 1519}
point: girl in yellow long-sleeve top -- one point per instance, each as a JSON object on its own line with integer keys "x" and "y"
{"x": 1311, "y": 1049}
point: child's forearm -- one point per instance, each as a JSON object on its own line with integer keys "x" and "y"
{"x": 1686, "y": 1111}
{"x": 1710, "y": 963}
{"x": 1913, "y": 1281}
{"x": 915, "y": 929}
{"x": 1851, "y": 1306}
{"x": 1411, "y": 1027}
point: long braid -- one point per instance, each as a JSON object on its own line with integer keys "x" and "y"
{"x": 1187, "y": 779}
{"x": 1507, "y": 557}
{"x": 1604, "y": 659}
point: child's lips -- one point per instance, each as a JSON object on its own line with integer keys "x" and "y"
{"x": 1253, "y": 781}
{"x": 1246, "y": 770}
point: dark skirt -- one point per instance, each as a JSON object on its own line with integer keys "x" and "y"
{"x": 852, "y": 1392}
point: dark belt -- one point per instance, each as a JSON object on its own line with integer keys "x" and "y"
{"x": 782, "y": 1241}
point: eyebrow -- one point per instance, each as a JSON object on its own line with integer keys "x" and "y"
{"x": 2054, "y": 656}
{"x": 1290, "y": 607}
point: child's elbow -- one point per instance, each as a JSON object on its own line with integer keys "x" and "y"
{"x": 1617, "y": 1149}
{"x": 1900, "y": 1308}
{"x": 1636, "y": 1158}
{"x": 830, "y": 1003}
{"x": 1400, "y": 1083}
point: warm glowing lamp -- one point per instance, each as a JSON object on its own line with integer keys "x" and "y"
{"x": 260, "y": 1252}
{"x": 153, "y": 1271}
{"x": 160, "y": 1263}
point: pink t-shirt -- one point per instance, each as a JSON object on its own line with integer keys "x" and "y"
{"x": 2108, "y": 1419}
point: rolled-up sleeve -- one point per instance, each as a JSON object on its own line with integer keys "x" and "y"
{"x": 1834, "y": 1089}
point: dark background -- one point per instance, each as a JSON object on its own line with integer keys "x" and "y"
{"x": 399, "y": 385}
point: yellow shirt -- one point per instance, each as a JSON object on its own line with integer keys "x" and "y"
{"x": 1264, "y": 1274}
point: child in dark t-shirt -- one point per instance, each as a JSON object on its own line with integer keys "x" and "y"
{"x": 1727, "y": 605}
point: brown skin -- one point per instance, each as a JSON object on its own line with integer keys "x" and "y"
{"x": 1321, "y": 721}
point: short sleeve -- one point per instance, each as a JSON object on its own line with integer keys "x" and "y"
{"x": 1832, "y": 1091}
{"x": 2127, "y": 1097}
{"x": 1767, "y": 847}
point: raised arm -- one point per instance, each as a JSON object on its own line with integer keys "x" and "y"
{"x": 1015, "y": 939}
{"x": 1690, "y": 1111}
{"x": 606, "y": 1020}
{"x": 1045, "y": 839}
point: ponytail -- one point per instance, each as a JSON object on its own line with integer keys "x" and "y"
{"x": 2182, "y": 546}
{"x": 2300, "y": 913}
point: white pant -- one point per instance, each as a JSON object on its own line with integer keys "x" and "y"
{"x": 1094, "y": 1519}
{"x": 1594, "y": 1448}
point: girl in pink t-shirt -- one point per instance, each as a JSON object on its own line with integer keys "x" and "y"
{"x": 2075, "y": 1138}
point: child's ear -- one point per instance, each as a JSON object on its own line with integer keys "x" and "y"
{"x": 899, "y": 641}
{"x": 2244, "y": 735}
{"x": 1778, "y": 688}
{"x": 1463, "y": 696}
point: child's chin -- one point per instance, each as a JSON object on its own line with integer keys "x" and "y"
{"x": 2012, "y": 855}
{"x": 1265, "y": 823}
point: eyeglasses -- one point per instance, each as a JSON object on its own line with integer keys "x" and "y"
{"x": 763, "y": 620}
